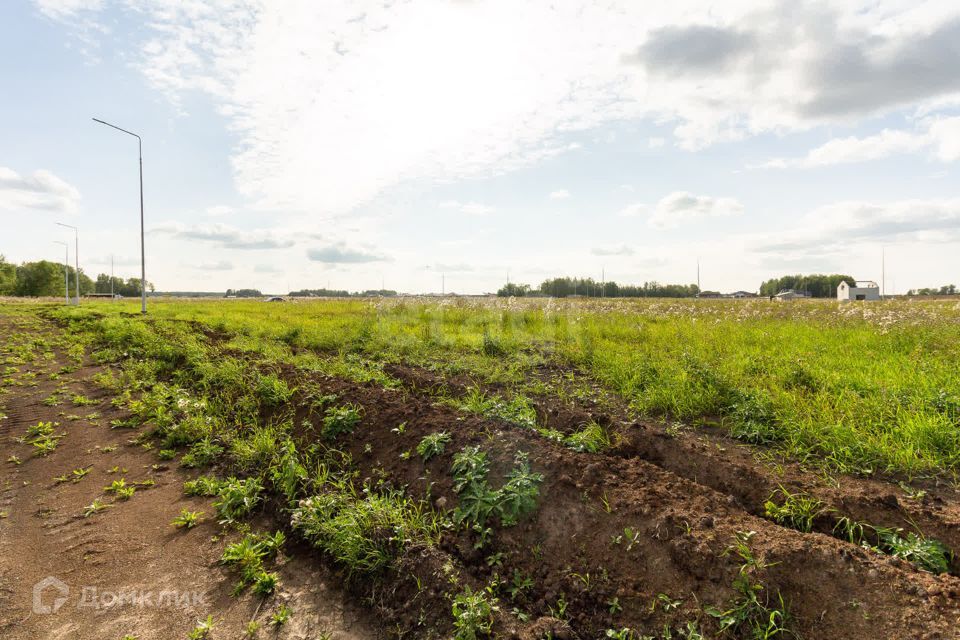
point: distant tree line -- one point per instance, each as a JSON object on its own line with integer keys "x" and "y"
{"x": 341, "y": 293}
{"x": 588, "y": 287}
{"x": 818, "y": 285}
{"x": 45, "y": 278}
{"x": 244, "y": 293}
{"x": 127, "y": 288}
{"x": 945, "y": 290}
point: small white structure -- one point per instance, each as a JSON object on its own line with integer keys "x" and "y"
{"x": 791, "y": 294}
{"x": 860, "y": 290}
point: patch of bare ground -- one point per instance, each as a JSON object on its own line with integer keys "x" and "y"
{"x": 750, "y": 475}
{"x": 688, "y": 493}
{"x": 126, "y": 569}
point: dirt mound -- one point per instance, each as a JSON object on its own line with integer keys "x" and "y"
{"x": 646, "y": 534}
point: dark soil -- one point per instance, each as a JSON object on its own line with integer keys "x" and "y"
{"x": 130, "y": 549}
{"x": 686, "y": 497}
{"x": 750, "y": 475}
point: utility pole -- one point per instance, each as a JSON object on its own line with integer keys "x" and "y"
{"x": 603, "y": 282}
{"x": 111, "y": 277}
{"x": 698, "y": 275}
{"x": 883, "y": 272}
{"x": 143, "y": 259}
{"x": 443, "y": 284}
{"x": 66, "y": 270}
{"x": 76, "y": 258}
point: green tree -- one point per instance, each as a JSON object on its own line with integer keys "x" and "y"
{"x": 41, "y": 278}
{"x": 945, "y": 290}
{"x": 244, "y": 293}
{"x": 132, "y": 289}
{"x": 818, "y": 285}
{"x": 513, "y": 289}
{"x": 563, "y": 287}
{"x": 104, "y": 281}
{"x": 8, "y": 277}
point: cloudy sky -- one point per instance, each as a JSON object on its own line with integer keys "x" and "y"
{"x": 292, "y": 144}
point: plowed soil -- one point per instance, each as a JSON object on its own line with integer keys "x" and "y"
{"x": 126, "y": 569}
{"x": 687, "y": 496}
{"x": 647, "y": 524}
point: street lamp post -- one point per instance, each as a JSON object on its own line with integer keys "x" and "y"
{"x": 143, "y": 260}
{"x": 66, "y": 270}
{"x": 76, "y": 258}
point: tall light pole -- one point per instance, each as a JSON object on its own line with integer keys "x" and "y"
{"x": 66, "y": 270}
{"x": 76, "y": 257}
{"x": 883, "y": 272}
{"x": 143, "y": 259}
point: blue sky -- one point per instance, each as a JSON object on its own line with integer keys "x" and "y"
{"x": 301, "y": 144}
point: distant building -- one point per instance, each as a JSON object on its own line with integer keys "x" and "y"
{"x": 860, "y": 290}
{"x": 743, "y": 294}
{"x": 792, "y": 294}
{"x": 709, "y": 294}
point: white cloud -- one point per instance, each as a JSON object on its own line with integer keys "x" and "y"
{"x": 655, "y": 143}
{"x": 835, "y": 228}
{"x": 228, "y": 237}
{"x": 67, "y": 8}
{"x": 42, "y": 190}
{"x": 941, "y": 137}
{"x": 637, "y": 210}
{"x": 468, "y": 208}
{"x": 852, "y": 149}
{"x": 945, "y": 133}
{"x": 415, "y": 91}
{"x": 267, "y": 268}
{"x": 679, "y": 206}
{"x": 617, "y": 250}
{"x": 340, "y": 253}
{"x": 559, "y": 194}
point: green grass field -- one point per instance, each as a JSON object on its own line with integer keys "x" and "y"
{"x": 431, "y": 444}
{"x": 859, "y": 388}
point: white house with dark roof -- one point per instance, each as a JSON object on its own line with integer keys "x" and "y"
{"x": 860, "y": 290}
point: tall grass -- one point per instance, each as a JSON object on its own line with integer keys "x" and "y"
{"x": 861, "y": 388}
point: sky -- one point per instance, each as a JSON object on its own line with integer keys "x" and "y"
{"x": 419, "y": 145}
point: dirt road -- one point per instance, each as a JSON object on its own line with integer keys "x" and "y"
{"x": 123, "y": 570}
